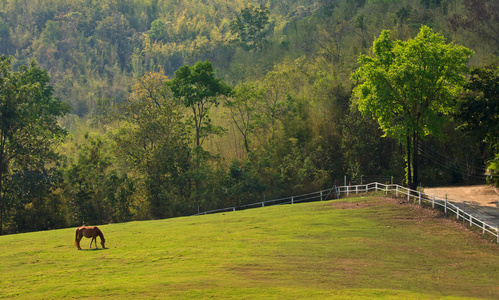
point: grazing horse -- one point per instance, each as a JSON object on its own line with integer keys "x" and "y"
{"x": 89, "y": 232}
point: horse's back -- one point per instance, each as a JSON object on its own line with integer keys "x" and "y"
{"x": 89, "y": 231}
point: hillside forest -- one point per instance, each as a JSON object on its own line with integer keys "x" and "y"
{"x": 120, "y": 110}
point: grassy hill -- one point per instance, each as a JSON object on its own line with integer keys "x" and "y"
{"x": 355, "y": 248}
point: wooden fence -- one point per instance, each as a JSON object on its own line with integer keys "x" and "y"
{"x": 394, "y": 190}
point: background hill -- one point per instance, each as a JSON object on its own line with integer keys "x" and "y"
{"x": 362, "y": 248}
{"x": 95, "y": 49}
{"x": 290, "y": 126}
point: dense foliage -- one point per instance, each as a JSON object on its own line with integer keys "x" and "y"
{"x": 410, "y": 86}
{"x": 180, "y": 106}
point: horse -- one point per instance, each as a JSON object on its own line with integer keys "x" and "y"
{"x": 89, "y": 232}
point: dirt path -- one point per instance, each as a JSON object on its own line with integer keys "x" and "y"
{"x": 483, "y": 195}
{"x": 482, "y": 201}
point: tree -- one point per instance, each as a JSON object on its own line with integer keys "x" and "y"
{"x": 198, "y": 89}
{"x": 32, "y": 203}
{"x": 408, "y": 87}
{"x": 479, "y": 111}
{"x": 152, "y": 140}
{"x": 277, "y": 88}
{"x": 430, "y": 3}
{"x": 250, "y": 25}
{"x": 244, "y": 109}
{"x": 158, "y": 30}
{"x": 28, "y": 120}
{"x": 86, "y": 182}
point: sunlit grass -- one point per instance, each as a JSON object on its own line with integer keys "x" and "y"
{"x": 358, "y": 248}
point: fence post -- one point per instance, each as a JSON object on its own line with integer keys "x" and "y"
{"x": 321, "y": 195}
{"x": 263, "y": 204}
{"x": 471, "y": 220}
{"x": 397, "y": 189}
{"x": 292, "y": 200}
{"x": 419, "y": 198}
{"x": 483, "y": 225}
{"x": 348, "y": 190}
{"x": 433, "y": 203}
{"x": 445, "y": 208}
{"x": 233, "y": 209}
{"x": 356, "y": 190}
{"x": 457, "y": 213}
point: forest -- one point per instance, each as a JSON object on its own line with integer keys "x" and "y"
{"x": 120, "y": 110}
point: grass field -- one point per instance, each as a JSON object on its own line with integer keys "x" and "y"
{"x": 361, "y": 248}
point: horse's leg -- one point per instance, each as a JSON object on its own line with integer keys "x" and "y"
{"x": 93, "y": 239}
{"x": 78, "y": 241}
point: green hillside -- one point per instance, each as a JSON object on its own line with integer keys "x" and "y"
{"x": 360, "y": 248}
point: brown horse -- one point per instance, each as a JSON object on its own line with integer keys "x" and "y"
{"x": 89, "y": 232}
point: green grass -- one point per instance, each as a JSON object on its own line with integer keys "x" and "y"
{"x": 358, "y": 248}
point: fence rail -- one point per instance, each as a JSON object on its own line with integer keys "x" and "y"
{"x": 448, "y": 207}
{"x": 310, "y": 197}
{"x": 394, "y": 190}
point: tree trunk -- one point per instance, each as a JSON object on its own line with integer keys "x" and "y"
{"x": 415, "y": 162}
{"x": 246, "y": 145}
{"x": 1, "y": 189}
{"x": 1, "y": 211}
{"x": 408, "y": 158}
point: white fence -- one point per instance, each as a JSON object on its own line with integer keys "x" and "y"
{"x": 310, "y": 197}
{"x": 392, "y": 189}
{"x": 436, "y": 202}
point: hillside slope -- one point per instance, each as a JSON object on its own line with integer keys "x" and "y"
{"x": 362, "y": 248}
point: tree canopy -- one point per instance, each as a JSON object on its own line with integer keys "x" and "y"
{"x": 408, "y": 85}
{"x": 28, "y": 122}
{"x": 250, "y": 27}
{"x": 198, "y": 89}
{"x": 478, "y": 112}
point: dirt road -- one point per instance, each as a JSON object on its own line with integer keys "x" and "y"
{"x": 483, "y": 195}
{"x": 481, "y": 201}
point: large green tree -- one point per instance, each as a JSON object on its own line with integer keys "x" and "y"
{"x": 198, "y": 89}
{"x": 409, "y": 85}
{"x": 28, "y": 121}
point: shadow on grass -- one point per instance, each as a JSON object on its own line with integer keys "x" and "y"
{"x": 93, "y": 249}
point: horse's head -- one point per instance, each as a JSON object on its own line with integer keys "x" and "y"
{"x": 102, "y": 242}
